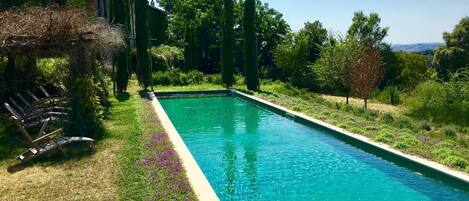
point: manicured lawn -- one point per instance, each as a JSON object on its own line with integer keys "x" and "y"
{"x": 134, "y": 161}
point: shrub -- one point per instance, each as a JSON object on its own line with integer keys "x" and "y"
{"x": 389, "y": 95}
{"x": 385, "y": 136}
{"x": 404, "y": 122}
{"x": 448, "y": 131}
{"x": 177, "y": 77}
{"x": 387, "y": 118}
{"x": 406, "y": 141}
{"x": 456, "y": 161}
{"x": 213, "y": 79}
{"x": 358, "y": 130}
{"x": 424, "y": 125}
{"x": 440, "y": 102}
{"x": 347, "y": 108}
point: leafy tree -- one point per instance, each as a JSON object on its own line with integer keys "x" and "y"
{"x": 412, "y": 69}
{"x": 446, "y": 102}
{"x": 333, "y": 68}
{"x": 390, "y": 65}
{"x": 205, "y": 14}
{"x": 292, "y": 59}
{"x": 272, "y": 30}
{"x": 190, "y": 48}
{"x": 142, "y": 43}
{"x": 316, "y": 36}
{"x": 454, "y": 55}
{"x": 367, "y": 30}
{"x": 250, "y": 45}
{"x": 228, "y": 44}
{"x": 365, "y": 74}
{"x": 170, "y": 55}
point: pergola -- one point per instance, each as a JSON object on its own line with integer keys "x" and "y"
{"x": 55, "y": 31}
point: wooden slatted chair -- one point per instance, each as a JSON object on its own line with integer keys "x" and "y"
{"x": 45, "y": 142}
{"x": 36, "y": 118}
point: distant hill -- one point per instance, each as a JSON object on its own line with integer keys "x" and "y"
{"x": 417, "y": 47}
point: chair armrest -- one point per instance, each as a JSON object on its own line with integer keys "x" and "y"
{"x": 48, "y": 135}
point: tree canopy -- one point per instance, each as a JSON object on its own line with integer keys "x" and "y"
{"x": 271, "y": 29}
{"x": 454, "y": 55}
{"x": 367, "y": 29}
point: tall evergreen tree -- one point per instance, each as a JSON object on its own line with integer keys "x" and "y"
{"x": 250, "y": 47}
{"x": 227, "y": 59}
{"x": 190, "y": 48}
{"x": 120, "y": 15}
{"x": 142, "y": 43}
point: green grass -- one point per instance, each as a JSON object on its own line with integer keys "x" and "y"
{"x": 11, "y": 142}
{"x": 115, "y": 171}
{"x": 132, "y": 119}
{"x": 436, "y": 142}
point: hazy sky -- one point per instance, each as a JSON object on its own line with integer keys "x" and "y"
{"x": 410, "y": 21}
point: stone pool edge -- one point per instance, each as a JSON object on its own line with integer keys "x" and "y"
{"x": 195, "y": 175}
{"x": 421, "y": 161}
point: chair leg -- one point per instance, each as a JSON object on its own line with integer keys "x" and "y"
{"x": 62, "y": 150}
{"x": 90, "y": 146}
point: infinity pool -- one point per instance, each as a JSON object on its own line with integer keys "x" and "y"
{"x": 250, "y": 153}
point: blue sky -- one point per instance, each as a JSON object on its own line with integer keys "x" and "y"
{"x": 410, "y": 21}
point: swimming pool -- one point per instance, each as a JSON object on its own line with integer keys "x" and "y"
{"x": 250, "y": 153}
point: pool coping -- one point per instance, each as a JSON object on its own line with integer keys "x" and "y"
{"x": 199, "y": 183}
{"x": 431, "y": 165}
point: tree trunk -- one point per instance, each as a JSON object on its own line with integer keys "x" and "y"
{"x": 346, "y": 100}
{"x": 366, "y": 103}
{"x": 9, "y": 74}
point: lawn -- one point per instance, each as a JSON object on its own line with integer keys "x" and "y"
{"x": 134, "y": 161}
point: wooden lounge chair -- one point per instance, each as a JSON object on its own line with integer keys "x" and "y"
{"x": 45, "y": 142}
{"x": 40, "y": 104}
{"x": 49, "y": 99}
{"x": 36, "y": 118}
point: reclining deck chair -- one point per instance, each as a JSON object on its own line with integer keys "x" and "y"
{"x": 34, "y": 118}
{"x": 45, "y": 142}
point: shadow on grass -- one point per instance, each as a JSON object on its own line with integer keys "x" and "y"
{"x": 75, "y": 152}
{"x": 11, "y": 142}
{"x": 144, "y": 94}
{"x": 121, "y": 97}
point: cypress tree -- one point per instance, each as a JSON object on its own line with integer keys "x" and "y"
{"x": 227, "y": 62}
{"x": 119, "y": 15}
{"x": 142, "y": 43}
{"x": 250, "y": 45}
{"x": 190, "y": 48}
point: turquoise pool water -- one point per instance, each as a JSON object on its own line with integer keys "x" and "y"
{"x": 249, "y": 153}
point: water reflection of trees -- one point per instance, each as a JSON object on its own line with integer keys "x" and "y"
{"x": 229, "y": 157}
{"x": 251, "y": 121}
